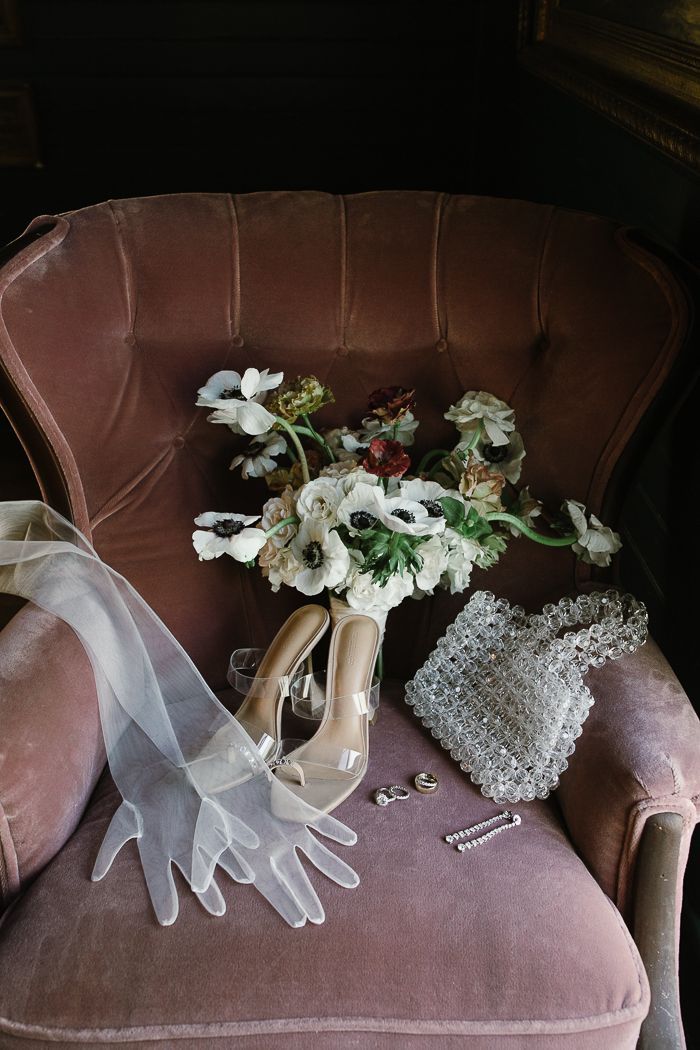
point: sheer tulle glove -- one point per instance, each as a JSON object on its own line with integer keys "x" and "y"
{"x": 196, "y": 791}
{"x": 283, "y": 825}
{"x": 165, "y": 812}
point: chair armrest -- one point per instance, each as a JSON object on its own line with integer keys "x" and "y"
{"x": 51, "y": 749}
{"x": 639, "y": 754}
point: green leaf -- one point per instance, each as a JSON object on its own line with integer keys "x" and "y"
{"x": 453, "y": 511}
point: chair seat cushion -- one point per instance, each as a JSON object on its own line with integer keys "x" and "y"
{"x": 512, "y": 944}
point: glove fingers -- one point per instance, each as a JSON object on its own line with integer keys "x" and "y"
{"x": 242, "y": 833}
{"x": 275, "y": 893}
{"x": 211, "y": 839}
{"x": 158, "y": 873}
{"x": 212, "y": 899}
{"x": 123, "y": 826}
{"x": 334, "y": 829}
{"x": 235, "y": 866}
{"x": 290, "y": 871}
{"x": 327, "y": 862}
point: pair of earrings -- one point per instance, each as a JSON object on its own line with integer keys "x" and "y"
{"x": 512, "y": 820}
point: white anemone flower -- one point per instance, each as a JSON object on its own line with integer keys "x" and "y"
{"x": 406, "y": 515}
{"x": 323, "y": 556}
{"x": 596, "y": 542}
{"x": 361, "y": 508}
{"x": 258, "y": 458}
{"x": 319, "y": 499}
{"x": 237, "y": 401}
{"x": 428, "y": 494}
{"x": 228, "y": 534}
{"x": 477, "y": 406}
{"x": 505, "y": 459}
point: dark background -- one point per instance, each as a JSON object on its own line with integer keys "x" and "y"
{"x": 138, "y": 97}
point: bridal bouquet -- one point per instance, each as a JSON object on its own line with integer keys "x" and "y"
{"x": 350, "y": 513}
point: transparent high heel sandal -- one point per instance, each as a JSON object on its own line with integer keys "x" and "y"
{"x": 264, "y": 676}
{"x": 326, "y": 769}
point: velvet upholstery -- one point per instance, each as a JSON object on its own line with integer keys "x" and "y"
{"x": 432, "y": 943}
{"x": 109, "y": 321}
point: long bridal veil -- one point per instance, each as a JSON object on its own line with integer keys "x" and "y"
{"x": 196, "y": 792}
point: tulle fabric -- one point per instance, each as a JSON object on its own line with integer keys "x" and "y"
{"x": 196, "y": 792}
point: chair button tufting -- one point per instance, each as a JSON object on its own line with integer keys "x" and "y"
{"x": 237, "y": 340}
{"x": 441, "y": 346}
{"x": 178, "y": 442}
{"x": 343, "y": 351}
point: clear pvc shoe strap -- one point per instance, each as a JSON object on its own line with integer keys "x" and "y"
{"x": 339, "y": 745}
{"x": 195, "y": 788}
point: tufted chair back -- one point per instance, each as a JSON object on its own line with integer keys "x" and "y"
{"x": 112, "y": 316}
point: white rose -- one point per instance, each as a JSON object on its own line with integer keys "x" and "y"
{"x": 365, "y": 594}
{"x": 461, "y": 555}
{"x": 319, "y": 500}
{"x": 434, "y": 558}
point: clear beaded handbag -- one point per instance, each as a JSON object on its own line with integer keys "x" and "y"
{"x": 503, "y": 692}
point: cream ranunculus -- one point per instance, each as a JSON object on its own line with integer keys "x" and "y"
{"x": 345, "y": 464}
{"x": 229, "y": 534}
{"x": 283, "y": 569}
{"x": 323, "y": 556}
{"x": 319, "y": 499}
{"x": 482, "y": 488}
{"x": 477, "y": 406}
{"x": 596, "y": 542}
{"x": 275, "y": 510}
{"x": 258, "y": 459}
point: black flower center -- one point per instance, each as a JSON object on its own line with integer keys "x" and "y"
{"x": 312, "y": 555}
{"x": 433, "y": 508}
{"x": 225, "y": 527}
{"x": 495, "y": 453}
{"x": 404, "y": 515}
{"x": 362, "y": 519}
{"x": 231, "y": 393}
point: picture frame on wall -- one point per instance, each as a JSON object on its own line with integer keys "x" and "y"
{"x": 638, "y": 64}
{"x": 9, "y": 23}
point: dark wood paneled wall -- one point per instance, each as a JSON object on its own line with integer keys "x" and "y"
{"x": 137, "y": 97}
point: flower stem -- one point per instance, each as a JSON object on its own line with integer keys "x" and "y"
{"x": 475, "y": 437}
{"x": 292, "y": 520}
{"x": 442, "y": 452}
{"x": 548, "y": 541}
{"x": 379, "y": 665}
{"x": 313, "y": 433}
{"x": 297, "y": 445}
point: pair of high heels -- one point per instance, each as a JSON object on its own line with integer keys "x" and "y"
{"x": 326, "y": 769}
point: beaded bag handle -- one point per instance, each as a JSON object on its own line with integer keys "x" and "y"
{"x": 503, "y": 692}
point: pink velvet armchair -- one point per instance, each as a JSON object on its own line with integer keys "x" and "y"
{"x": 110, "y": 318}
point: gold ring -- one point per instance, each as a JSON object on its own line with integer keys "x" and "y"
{"x": 426, "y": 783}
